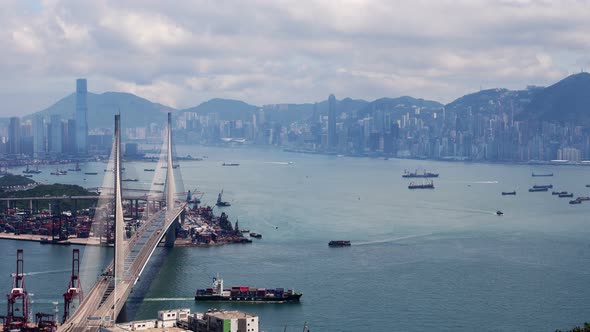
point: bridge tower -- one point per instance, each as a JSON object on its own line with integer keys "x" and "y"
{"x": 170, "y": 185}
{"x": 119, "y": 259}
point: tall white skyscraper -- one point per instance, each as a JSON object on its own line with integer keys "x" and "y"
{"x": 81, "y": 120}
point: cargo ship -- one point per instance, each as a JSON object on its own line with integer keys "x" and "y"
{"x": 543, "y": 174}
{"x": 419, "y": 175}
{"x": 31, "y": 171}
{"x": 565, "y": 194}
{"x": 230, "y": 164}
{"x": 547, "y": 186}
{"x": 532, "y": 190}
{"x": 427, "y": 185}
{"x": 245, "y": 294}
{"x": 509, "y": 193}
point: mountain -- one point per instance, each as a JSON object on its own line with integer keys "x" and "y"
{"x": 492, "y": 101}
{"x": 398, "y": 106}
{"x": 565, "y": 101}
{"x": 135, "y": 111}
{"x": 228, "y": 109}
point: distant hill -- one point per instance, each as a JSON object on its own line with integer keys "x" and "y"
{"x": 135, "y": 111}
{"x": 228, "y": 109}
{"x": 565, "y": 101}
{"x": 493, "y": 101}
{"x": 398, "y": 106}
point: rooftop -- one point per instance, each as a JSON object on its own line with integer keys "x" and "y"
{"x": 230, "y": 314}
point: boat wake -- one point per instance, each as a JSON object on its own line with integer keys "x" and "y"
{"x": 394, "y": 239}
{"x": 162, "y": 299}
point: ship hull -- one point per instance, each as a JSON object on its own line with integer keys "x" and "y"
{"x": 255, "y": 299}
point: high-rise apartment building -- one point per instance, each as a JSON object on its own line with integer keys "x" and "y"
{"x": 81, "y": 114}
{"x": 38, "y": 135}
{"x": 14, "y": 136}
{"x": 55, "y": 134}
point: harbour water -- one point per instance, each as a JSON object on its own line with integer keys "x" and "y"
{"x": 421, "y": 259}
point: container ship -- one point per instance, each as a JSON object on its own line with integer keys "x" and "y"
{"x": 246, "y": 294}
{"x": 419, "y": 175}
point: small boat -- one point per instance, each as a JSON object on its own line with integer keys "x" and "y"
{"x": 542, "y": 174}
{"x": 508, "y": 193}
{"x": 499, "y": 213}
{"x": 425, "y": 185}
{"x": 566, "y": 195}
{"x": 576, "y": 201}
{"x": 532, "y": 190}
{"x": 149, "y": 169}
{"x": 256, "y": 235}
{"x": 91, "y": 173}
{"x": 339, "y": 243}
{"x": 158, "y": 183}
{"x": 130, "y": 180}
{"x": 230, "y": 164}
{"x": 28, "y": 175}
{"x": 588, "y": 186}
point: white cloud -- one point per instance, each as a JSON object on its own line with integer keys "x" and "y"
{"x": 267, "y": 51}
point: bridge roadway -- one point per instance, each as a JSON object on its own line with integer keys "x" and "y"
{"x": 97, "y": 309}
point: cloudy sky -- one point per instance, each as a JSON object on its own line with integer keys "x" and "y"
{"x": 181, "y": 53}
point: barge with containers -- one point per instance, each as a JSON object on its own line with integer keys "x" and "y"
{"x": 245, "y": 294}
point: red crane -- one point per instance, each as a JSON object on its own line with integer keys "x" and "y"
{"x": 74, "y": 288}
{"x": 18, "y": 298}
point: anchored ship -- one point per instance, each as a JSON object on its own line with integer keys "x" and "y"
{"x": 245, "y": 294}
{"x": 542, "y": 174}
{"x": 426, "y": 185}
{"x": 415, "y": 174}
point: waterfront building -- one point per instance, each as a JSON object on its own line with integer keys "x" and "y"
{"x": 222, "y": 320}
{"x": 81, "y": 114}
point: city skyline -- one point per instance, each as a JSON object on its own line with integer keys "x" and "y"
{"x": 294, "y": 51}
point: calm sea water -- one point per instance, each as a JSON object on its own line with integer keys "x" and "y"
{"x": 421, "y": 259}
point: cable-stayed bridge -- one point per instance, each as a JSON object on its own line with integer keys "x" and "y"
{"x": 103, "y": 303}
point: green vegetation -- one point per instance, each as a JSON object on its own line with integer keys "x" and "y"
{"x": 14, "y": 180}
{"x": 585, "y": 328}
{"x": 56, "y": 189}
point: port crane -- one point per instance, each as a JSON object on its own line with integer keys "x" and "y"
{"x": 17, "y": 316}
{"x": 74, "y": 287}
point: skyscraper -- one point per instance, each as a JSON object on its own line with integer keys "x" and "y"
{"x": 38, "y": 135}
{"x": 81, "y": 113}
{"x": 332, "y": 137}
{"x": 55, "y": 134}
{"x": 14, "y": 137}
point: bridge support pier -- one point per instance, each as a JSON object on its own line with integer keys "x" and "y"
{"x": 171, "y": 234}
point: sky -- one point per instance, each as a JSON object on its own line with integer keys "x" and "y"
{"x": 182, "y": 53}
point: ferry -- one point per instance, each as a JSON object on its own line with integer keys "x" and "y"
{"x": 245, "y": 294}
{"x": 427, "y": 185}
{"x": 415, "y": 174}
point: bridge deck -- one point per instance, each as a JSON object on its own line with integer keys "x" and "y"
{"x": 98, "y": 307}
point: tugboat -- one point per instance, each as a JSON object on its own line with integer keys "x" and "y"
{"x": 508, "y": 193}
{"x": 339, "y": 243}
{"x": 427, "y": 185}
{"x": 245, "y": 294}
{"x": 220, "y": 202}
{"x": 415, "y": 174}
